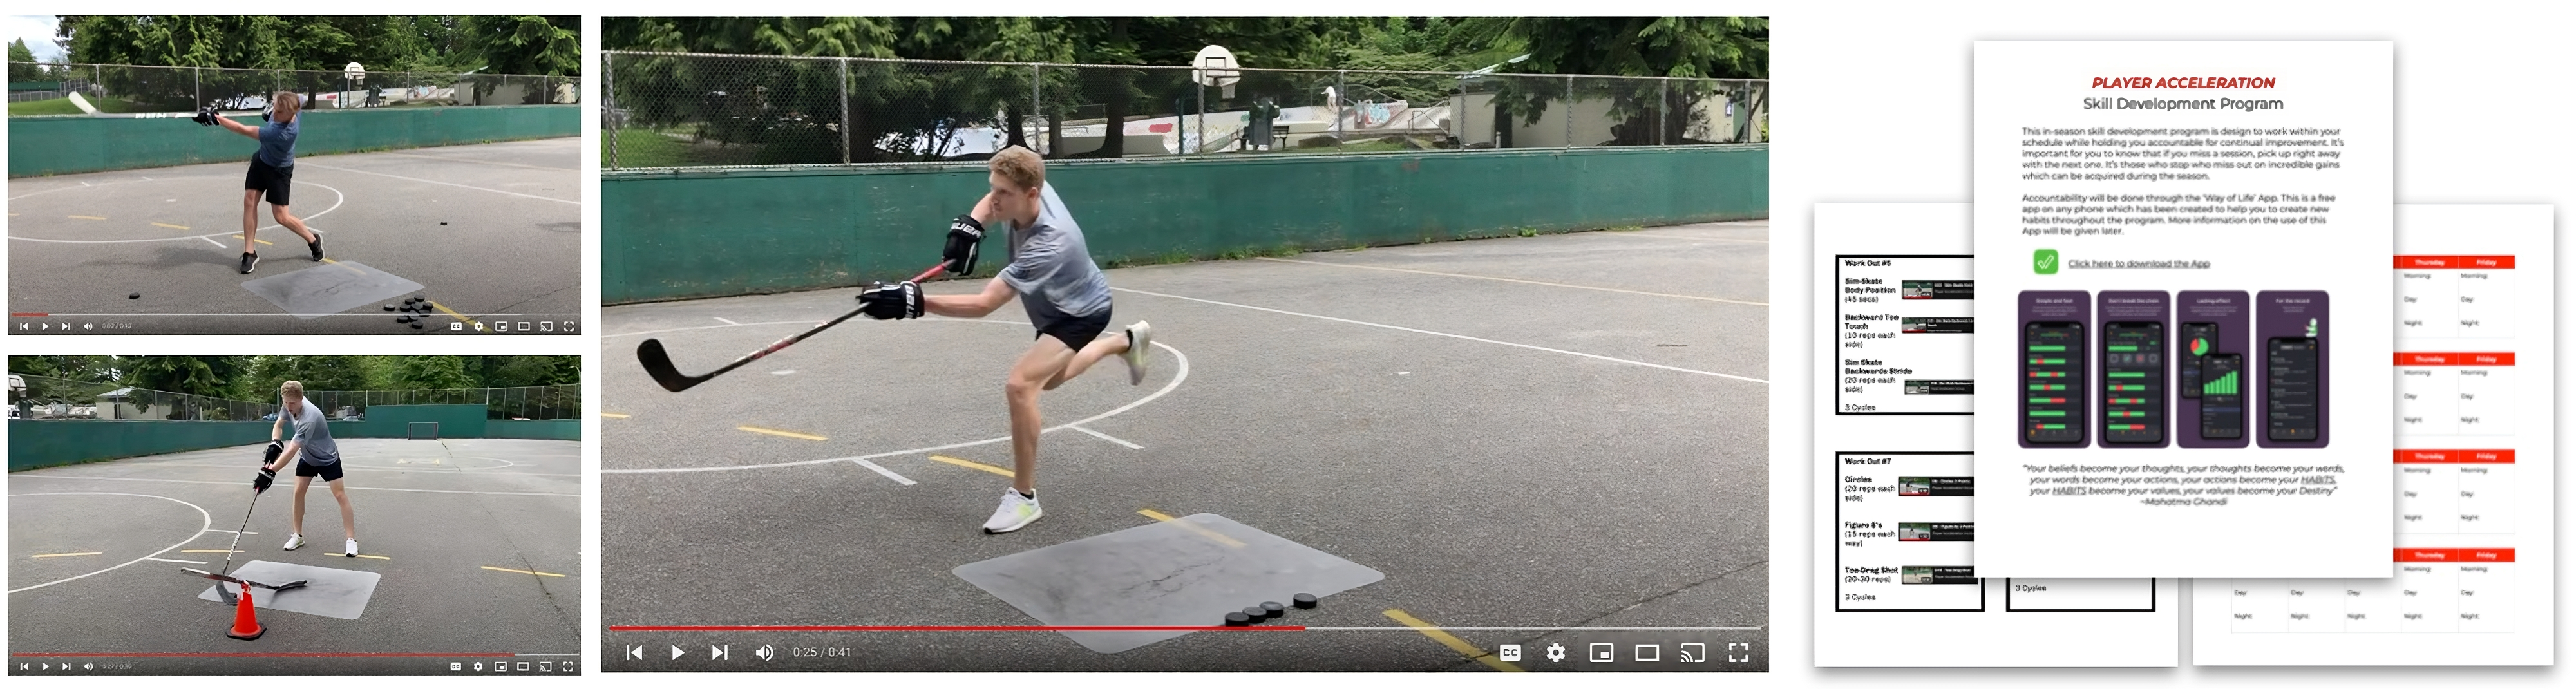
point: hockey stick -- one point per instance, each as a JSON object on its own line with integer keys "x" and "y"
{"x": 657, "y": 362}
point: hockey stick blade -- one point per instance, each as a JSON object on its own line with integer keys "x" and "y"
{"x": 657, "y": 363}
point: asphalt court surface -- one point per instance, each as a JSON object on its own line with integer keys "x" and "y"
{"x": 1533, "y": 433}
{"x": 465, "y": 534}
{"x": 487, "y": 229}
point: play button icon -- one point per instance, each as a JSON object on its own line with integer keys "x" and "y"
{"x": 675, "y": 652}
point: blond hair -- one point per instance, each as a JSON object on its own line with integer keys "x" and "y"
{"x": 286, "y": 104}
{"x": 292, "y": 389}
{"x": 1021, "y": 166}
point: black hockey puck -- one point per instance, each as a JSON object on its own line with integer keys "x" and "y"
{"x": 402, "y": 319}
{"x": 1304, "y": 600}
{"x": 1236, "y": 619}
{"x": 137, "y": 295}
{"x": 389, "y": 307}
{"x": 415, "y": 300}
{"x": 1273, "y": 609}
{"x": 1254, "y": 613}
{"x": 414, "y": 326}
{"x": 442, "y": 224}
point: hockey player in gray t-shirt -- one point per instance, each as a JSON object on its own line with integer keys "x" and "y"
{"x": 314, "y": 453}
{"x": 1065, "y": 294}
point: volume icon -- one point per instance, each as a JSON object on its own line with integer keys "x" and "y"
{"x": 766, "y": 652}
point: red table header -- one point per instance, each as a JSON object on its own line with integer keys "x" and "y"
{"x": 2455, "y": 456}
{"x": 2455, "y": 358}
{"x": 2464, "y": 555}
{"x": 2456, "y": 262}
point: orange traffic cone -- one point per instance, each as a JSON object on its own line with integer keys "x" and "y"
{"x": 245, "y": 622}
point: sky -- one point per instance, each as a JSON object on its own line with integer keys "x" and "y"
{"x": 39, "y": 34}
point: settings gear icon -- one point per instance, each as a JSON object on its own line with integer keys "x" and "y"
{"x": 1555, "y": 653}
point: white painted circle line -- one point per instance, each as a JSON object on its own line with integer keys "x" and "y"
{"x": 201, "y": 531}
{"x": 1469, "y": 338}
{"x": 1178, "y": 374}
{"x": 335, "y": 205}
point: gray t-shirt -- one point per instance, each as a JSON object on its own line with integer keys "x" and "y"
{"x": 315, "y": 432}
{"x": 1050, "y": 261}
{"x": 277, "y": 142}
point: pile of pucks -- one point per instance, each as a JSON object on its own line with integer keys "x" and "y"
{"x": 415, "y": 311}
{"x": 1267, "y": 611}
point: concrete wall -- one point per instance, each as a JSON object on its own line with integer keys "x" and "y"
{"x": 707, "y": 233}
{"x": 394, "y": 421}
{"x": 56, "y": 145}
{"x": 38, "y": 444}
{"x": 554, "y": 429}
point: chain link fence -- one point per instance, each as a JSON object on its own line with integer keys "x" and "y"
{"x": 671, "y": 110}
{"x": 527, "y": 403}
{"x": 142, "y": 89}
{"x": 41, "y": 397}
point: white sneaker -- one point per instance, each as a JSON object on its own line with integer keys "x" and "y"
{"x": 351, "y": 550}
{"x": 1140, "y": 338}
{"x": 1016, "y": 511}
{"x": 295, "y": 541}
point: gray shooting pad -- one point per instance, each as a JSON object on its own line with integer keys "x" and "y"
{"x": 1188, "y": 572}
{"x": 328, "y": 592}
{"x": 330, "y": 288}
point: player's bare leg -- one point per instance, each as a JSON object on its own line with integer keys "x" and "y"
{"x": 1045, "y": 360}
{"x": 250, "y": 220}
{"x": 348, "y": 515}
{"x": 301, "y": 483}
{"x": 294, "y": 224}
{"x": 1100, "y": 347}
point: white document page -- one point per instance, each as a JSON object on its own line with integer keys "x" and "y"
{"x": 2475, "y": 461}
{"x": 1896, "y": 513}
{"x": 2139, "y": 199}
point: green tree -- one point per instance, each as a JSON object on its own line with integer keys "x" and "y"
{"x": 1687, "y": 47}
{"x": 21, "y": 62}
{"x": 315, "y": 372}
{"x": 83, "y": 368}
{"x": 549, "y": 45}
{"x": 421, "y": 373}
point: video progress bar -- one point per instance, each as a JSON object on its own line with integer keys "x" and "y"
{"x": 281, "y": 655}
{"x": 948, "y": 628}
{"x": 1134, "y": 628}
{"x": 239, "y": 315}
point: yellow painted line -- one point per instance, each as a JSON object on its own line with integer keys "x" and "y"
{"x": 973, "y": 465}
{"x": 379, "y": 557}
{"x": 168, "y": 225}
{"x": 65, "y": 554}
{"x": 1454, "y": 643}
{"x": 478, "y": 327}
{"x": 88, "y": 217}
{"x": 520, "y": 571}
{"x": 780, "y": 433}
{"x": 612, "y": 415}
{"x": 337, "y": 263}
{"x": 262, "y": 241}
{"x": 217, "y": 550}
{"x": 1194, "y": 528}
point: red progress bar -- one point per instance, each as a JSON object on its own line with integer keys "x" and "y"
{"x": 946, "y": 628}
{"x": 263, "y": 655}
{"x": 28, "y": 314}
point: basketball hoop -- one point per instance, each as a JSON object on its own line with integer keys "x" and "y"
{"x": 1216, "y": 66}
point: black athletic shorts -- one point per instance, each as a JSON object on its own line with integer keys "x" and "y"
{"x": 328, "y": 472}
{"x": 272, "y": 179}
{"x": 1073, "y": 331}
